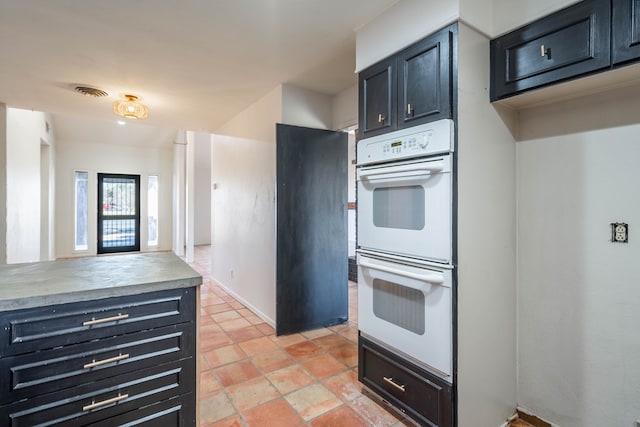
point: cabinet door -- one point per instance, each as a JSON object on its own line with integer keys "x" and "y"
{"x": 377, "y": 98}
{"x": 424, "y": 77}
{"x": 625, "y": 30}
{"x": 561, "y": 46}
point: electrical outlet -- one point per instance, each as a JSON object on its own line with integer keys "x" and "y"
{"x": 619, "y": 232}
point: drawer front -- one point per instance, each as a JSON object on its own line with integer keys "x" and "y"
{"x": 564, "y": 45}
{"x": 423, "y": 396}
{"x": 42, "y": 372}
{"x": 625, "y": 29}
{"x": 36, "y": 329}
{"x": 104, "y": 399}
{"x": 177, "y": 412}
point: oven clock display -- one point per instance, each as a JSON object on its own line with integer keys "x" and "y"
{"x": 396, "y": 144}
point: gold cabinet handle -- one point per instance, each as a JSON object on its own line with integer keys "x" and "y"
{"x": 409, "y": 110}
{"x": 380, "y": 118}
{"x": 105, "y": 361}
{"x": 95, "y": 404}
{"x": 95, "y": 321}
{"x": 400, "y": 387}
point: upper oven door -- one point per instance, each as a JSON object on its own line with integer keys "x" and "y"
{"x": 405, "y": 208}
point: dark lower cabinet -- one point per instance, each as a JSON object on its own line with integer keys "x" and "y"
{"x": 564, "y": 45}
{"x": 424, "y": 397}
{"x": 112, "y": 361}
{"x": 625, "y": 31}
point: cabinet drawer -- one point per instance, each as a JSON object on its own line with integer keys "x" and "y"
{"x": 177, "y": 412}
{"x": 625, "y": 29}
{"x": 29, "y": 330}
{"x": 93, "y": 402}
{"x": 423, "y": 396}
{"x": 564, "y": 45}
{"x": 42, "y": 372}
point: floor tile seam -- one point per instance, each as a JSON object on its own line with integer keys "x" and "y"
{"x": 242, "y": 415}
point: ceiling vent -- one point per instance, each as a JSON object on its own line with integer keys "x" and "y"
{"x": 91, "y": 91}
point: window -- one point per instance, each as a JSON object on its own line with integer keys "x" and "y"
{"x": 118, "y": 213}
{"x": 152, "y": 211}
{"x": 81, "y": 215}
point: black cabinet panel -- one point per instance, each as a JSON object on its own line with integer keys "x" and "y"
{"x": 86, "y": 362}
{"x": 176, "y": 412}
{"x": 41, "y": 372}
{"x": 47, "y": 327}
{"x": 570, "y": 43}
{"x": 625, "y": 31}
{"x": 424, "y": 80}
{"x": 409, "y": 88}
{"x": 377, "y": 93}
{"x": 103, "y": 399}
{"x": 425, "y": 397}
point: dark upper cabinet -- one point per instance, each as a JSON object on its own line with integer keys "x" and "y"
{"x": 625, "y": 31}
{"x": 424, "y": 80}
{"x": 567, "y": 44}
{"x": 409, "y": 88}
{"x": 377, "y": 98}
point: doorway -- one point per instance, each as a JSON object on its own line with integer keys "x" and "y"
{"x": 118, "y": 213}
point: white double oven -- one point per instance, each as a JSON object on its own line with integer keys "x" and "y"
{"x": 405, "y": 187}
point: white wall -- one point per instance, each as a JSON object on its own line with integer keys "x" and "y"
{"x": 3, "y": 184}
{"x": 577, "y": 292}
{"x": 25, "y": 131}
{"x": 344, "y": 108}
{"x": 486, "y": 282}
{"x": 91, "y": 157}
{"x": 202, "y": 199}
{"x": 303, "y": 107}
{"x": 399, "y": 26}
{"x": 243, "y": 170}
{"x": 509, "y": 14}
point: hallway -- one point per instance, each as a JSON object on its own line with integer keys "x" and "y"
{"x": 249, "y": 377}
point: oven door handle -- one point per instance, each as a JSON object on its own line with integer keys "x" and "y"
{"x": 435, "y": 278}
{"x": 427, "y": 168}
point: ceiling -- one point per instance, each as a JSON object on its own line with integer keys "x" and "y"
{"x": 194, "y": 63}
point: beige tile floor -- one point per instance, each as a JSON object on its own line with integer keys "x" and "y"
{"x": 250, "y": 377}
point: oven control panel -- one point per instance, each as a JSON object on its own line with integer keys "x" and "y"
{"x": 423, "y": 140}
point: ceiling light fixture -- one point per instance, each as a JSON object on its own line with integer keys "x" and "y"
{"x": 131, "y": 108}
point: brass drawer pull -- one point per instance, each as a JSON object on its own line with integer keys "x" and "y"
{"x": 105, "y": 361}
{"x": 95, "y": 321}
{"x": 393, "y": 383}
{"x": 95, "y": 405}
{"x": 544, "y": 52}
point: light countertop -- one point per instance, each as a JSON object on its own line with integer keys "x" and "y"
{"x": 81, "y": 279}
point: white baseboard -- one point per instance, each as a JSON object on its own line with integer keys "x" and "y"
{"x": 269, "y": 321}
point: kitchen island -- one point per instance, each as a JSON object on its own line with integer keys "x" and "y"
{"x": 99, "y": 341}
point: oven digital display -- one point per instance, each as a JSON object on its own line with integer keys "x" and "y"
{"x": 396, "y": 144}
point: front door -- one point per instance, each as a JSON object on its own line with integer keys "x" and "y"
{"x": 118, "y": 213}
{"x": 311, "y": 248}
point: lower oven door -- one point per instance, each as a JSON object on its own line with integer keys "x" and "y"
{"x": 407, "y": 307}
{"x": 405, "y": 208}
